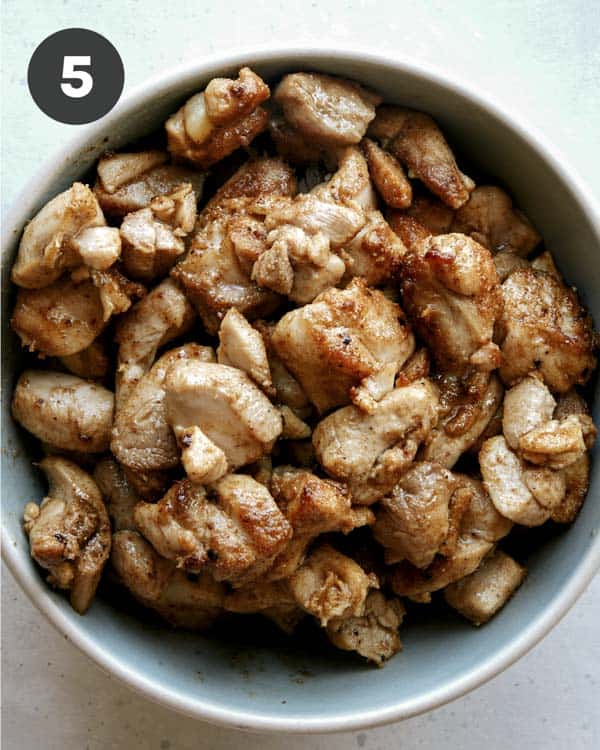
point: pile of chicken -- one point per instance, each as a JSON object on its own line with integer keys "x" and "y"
{"x": 232, "y": 390}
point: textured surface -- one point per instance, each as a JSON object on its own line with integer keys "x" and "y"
{"x": 540, "y": 60}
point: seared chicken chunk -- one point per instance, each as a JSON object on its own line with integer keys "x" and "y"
{"x": 119, "y": 496}
{"x": 91, "y": 363}
{"x": 243, "y": 347}
{"x": 326, "y": 110}
{"x": 480, "y": 595}
{"x": 451, "y": 294}
{"x": 490, "y": 218}
{"x": 372, "y": 451}
{"x": 374, "y": 253}
{"x": 69, "y": 532}
{"x": 347, "y": 345}
{"x": 291, "y": 145}
{"x": 507, "y": 261}
{"x": 159, "y": 585}
{"x": 387, "y": 175}
{"x": 232, "y": 528}
{"x": 413, "y": 520}
{"x": 272, "y": 599}
{"x": 416, "y": 141}
{"x": 217, "y": 121}
{"x": 543, "y": 327}
{"x": 350, "y": 185}
{"x": 64, "y": 411}
{"x": 527, "y": 405}
{"x": 431, "y": 213}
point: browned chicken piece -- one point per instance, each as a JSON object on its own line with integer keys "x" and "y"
{"x": 117, "y": 293}
{"x": 242, "y": 346}
{"x": 374, "y": 253}
{"x": 527, "y": 405}
{"x": 119, "y": 496}
{"x": 347, "y": 345}
{"x": 326, "y": 110}
{"x": 270, "y": 599}
{"x": 490, "y": 218}
{"x": 413, "y": 520}
{"x": 163, "y": 314}
{"x": 479, "y": 596}
{"x": 371, "y": 451}
{"x": 431, "y": 213}
{"x": 481, "y": 519}
{"x": 415, "y": 140}
{"x": 543, "y": 327}
{"x": 220, "y": 418}
{"x": 153, "y": 237}
{"x": 417, "y": 366}
{"x": 388, "y": 176}
{"x": 159, "y": 585}
{"x": 350, "y": 184}
{"x": 293, "y": 427}
{"x": 149, "y": 485}
{"x": 467, "y": 406}
{"x": 291, "y": 145}
{"x": 69, "y": 532}
{"x": 232, "y": 528}
{"x": 69, "y": 231}
{"x": 374, "y": 634}
{"x": 577, "y": 483}
{"x": 330, "y": 585}
{"x": 558, "y": 443}
{"x": 128, "y": 182}
{"x": 217, "y": 121}
{"x": 413, "y": 235}
{"x": 545, "y": 262}
{"x": 451, "y": 294}
{"x": 91, "y": 363}
{"x": 142, "y": 439}
{"x": 507, "y": 261}
{"x": 64, "y": 410}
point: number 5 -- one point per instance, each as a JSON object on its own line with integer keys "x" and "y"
{"x": 86, "y": 82}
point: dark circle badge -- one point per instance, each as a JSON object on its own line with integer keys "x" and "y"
{"x": 75, "y": 76}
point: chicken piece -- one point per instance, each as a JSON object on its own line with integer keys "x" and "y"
{"x": 291, "y": 145}
{"x": 119, "y": 496}
{"x": 451, "y": 294}
{"x": 68, "y": 231}
{"x": 91, "y": 363}
{"x": 63, "y": 410}
{"x": 371, "y": 451}
{"x": 217, "y": 121}
{"x": 374, "y": 634}
{"x": 415, "y": 140}
{"x": 490, "y": 219}
{"x": 414, "y": 236}
{"x": 557, "y": 443}
{"x": 149, "y": 485}
{"x": 417, "y": 366}
{"x": 288, "y": 390}
{"x": 467, "y": 406}
{"x": 413, "y": 520}
{"x": 479, "y": 596}
{"x": 293, "y": 427}
{"x": 270, "y": 599}
{"x": 326, "y": 110}
{"x": 346, "y": 345}
{"x": 350, "y": 184}
{"x": 388, "y": 176}
{"x": 330, "y": 585}
{"x": 431, "y": 213}
{"x": 527, "y": 405}
{"x": 480, "y": 519}
{"x": 159, "y": 585}
{"x": 69, "y": 532}
{"x": 543, "y": 327}
{"x": 374, "y": 253}
{"x": 161, "y": 316}
{"x": 577, "y": 482}
{"x": 232, "y": 528}
{"x": 116, "y": 292}
{"x": 507, "y": 261}
{"x": 545, "y": 262}
{"x": 243, "y": 347}
{"x": 128, "y": 182}
{"x": 142, "y": 439}
{"x": 221, "y": 419}
{"x": 153, "y": 237}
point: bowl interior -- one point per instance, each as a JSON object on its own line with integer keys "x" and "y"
{"x": 263, "y": 681}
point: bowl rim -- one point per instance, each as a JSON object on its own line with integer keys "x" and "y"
{"x": 23, "y": 207}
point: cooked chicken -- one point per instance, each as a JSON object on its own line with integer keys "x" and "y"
{"x": 416, "y": 141}
{"x": 242, "y": 346}
{"x": 91, "y": 363}
{"x": 577, "y": 482}
{"x": 291, "y": 145}
{"x": 270, "y": 599}
{"x": 330, "y": 585}
{"x": 417, "y": 366}
{"x": 326, "y": 110}
{"x": 543, "y": 327}
{"x": 414, "y": 235}
{"x": 451, "y": 294}
{"x": 545, "y": 262}
{"x": 148, "y": 485}
{"x": 557, "y": 443}
{"x": 117, "y": 293}
{"x": 159, "y": 585}
{"x": 64, "y": 410}
{"x": 161, "y": 316}
{"x": 372, "y": 451}
{"x": 347, "y": 345}
{"x": 217, "y": 121}
{"x": 119, "y": 496}
{"x": 467, "y": 406}
{"x": 374, "y": 253}
{"x": 507, "y": 261}
{"x": 142, "y": 438}
{"x": 490, "y": 219}
{"x": 293, "y": 428}
{"x": 69, "y": 532}
{"x": 413, "y": 520}
{"x": 350, "y": 185}
{"x": 431, "y": 213}
{"x": 481, "y": 519}
{"x": 527, "y": 405}
{"x": 153, "y": 237}
{"x": 128, "y": 182}
{"x": 387, "y": 175}
{"x": 232, "y": 528}
{"x": 374, "y": 634}
{"x": 480, "y": 595}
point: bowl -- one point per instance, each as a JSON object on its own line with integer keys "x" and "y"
{"x": 267, "y": 684}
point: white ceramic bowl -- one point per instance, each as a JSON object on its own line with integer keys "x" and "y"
{"x": 285, "y": 688}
